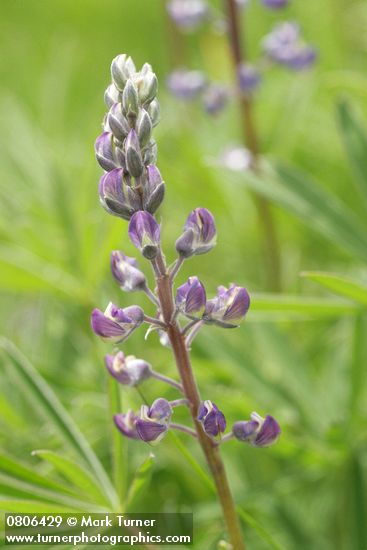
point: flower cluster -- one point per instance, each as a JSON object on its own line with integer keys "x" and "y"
{"x": 126, "y": 149}
{"x": 132, "y": 188}
{"x": 283, "y": 45}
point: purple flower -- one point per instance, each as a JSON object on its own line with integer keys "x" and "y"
{"x": 191, "y": 297}
{"x": 153, "y": 422}
{"x": 144, "y": 233}
{"x": 126, "y": 423}
{"x": 199, "y": 234}
{"x": 248, "y": 78}
{"x": 186, "y": 84}
{"x": 284, "y": 45}
{"x": 129, "y": 370}
{"x": 304, "y": 57}
{"x": 228, "y": 307}
{"x": 125, "y": 271}
{"x": 212, "y": 419}
{"x": 275, "y": 4}
{"x": 104, "y": 151}
{"x": 215, "y": 98}
{"x": 188, "y": 14}
{"x": 115, "y": 324}
{"x": 154, "y": 189}
{"x": 258, "y": 431}
{"x": 116, "y": 196}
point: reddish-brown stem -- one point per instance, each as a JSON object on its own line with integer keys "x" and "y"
{"x": 191, "y": 392}
{"x": 251, "y": 141}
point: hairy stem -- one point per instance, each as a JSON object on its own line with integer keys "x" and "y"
{"x": 250, "y": 137}
{"x": 210, "y": 449}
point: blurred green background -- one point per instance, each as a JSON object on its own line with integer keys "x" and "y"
{"x": 300, "y": 356}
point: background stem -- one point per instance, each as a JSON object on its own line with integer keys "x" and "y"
{"x": 251, "y": 141}
{"x": 211, "y": 451}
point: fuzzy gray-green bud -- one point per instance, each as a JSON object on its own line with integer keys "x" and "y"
{"x": 122, "y": 68}
{"x": 154, "y": 112}
{"x": 144, "y": 128}
{"x": 130, "y": 99}
{"x": 117, "y": 122}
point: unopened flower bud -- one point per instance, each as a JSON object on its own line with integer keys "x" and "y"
{"x": 150, "y": 153}
{"x": 144, "y": 233}
{"x": 129, "y": 370}
{"x": 111, "y": 95}
{"x": 126, "y": 423}
{"x": 147, "y": 85}
{"x": 153, "y": 423}
{"x": 117, "y": 122}
{"x": 104, "y": 151}
{"x": 134, "y": 163}
{"x": 215, "y": 98}
{"x": 154, "y": 189}
{"x": 188, "y": 14}
{"x": 258, "y": 431}
{"x": 199, "y": 234}
{"x": 248, "y": 77}
{"x": 154, "y": 112}
{"x": 144, "y": 127}
{"x": 186, "y": 84}
{"x": 130, "y": 99}
{"x": 122, "y": 68}
{"x": 191, "y": 298}
{"x": 116, "y": 324}
{"x": 212, "y": 419}
{"x": 125, "y": 271}
{"x": 228, "y": 307}
{"x": 116, "y": 196}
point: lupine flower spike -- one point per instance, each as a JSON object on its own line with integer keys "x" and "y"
{"x": 132, "y": 188}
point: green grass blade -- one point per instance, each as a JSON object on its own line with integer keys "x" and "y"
{"x": 316, "y": 207}
{"x": 21, "y": 472}
{"x": 266, "y": 306}
{"x": 38, "y": 391}
{"x": 80, "y": 478}
{"x": 140, "y": 481}
{"x": 354, "y": 136}
{"x": 344, "y": 286}
{"x": 18, "y": 489}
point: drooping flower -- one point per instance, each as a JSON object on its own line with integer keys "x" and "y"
{"x": 128, "y": 370}
{"x": 186, "y": 84}
{"x": 126, "y": 423}
{"x": 228, "y": 307}
{"x": 153, "y": 422}
{"x": 211, "y": 418}
{"x": 116, "y": 324}
{"x": 258, "y": 431}
{"x": 199, "y": 234}
{"x": 191, "y": 298}
{"x": 144, "y": 233}
{"x": 126, "y": 273}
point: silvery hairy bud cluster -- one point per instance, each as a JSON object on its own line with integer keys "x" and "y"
{"x": 126, "y": 149}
